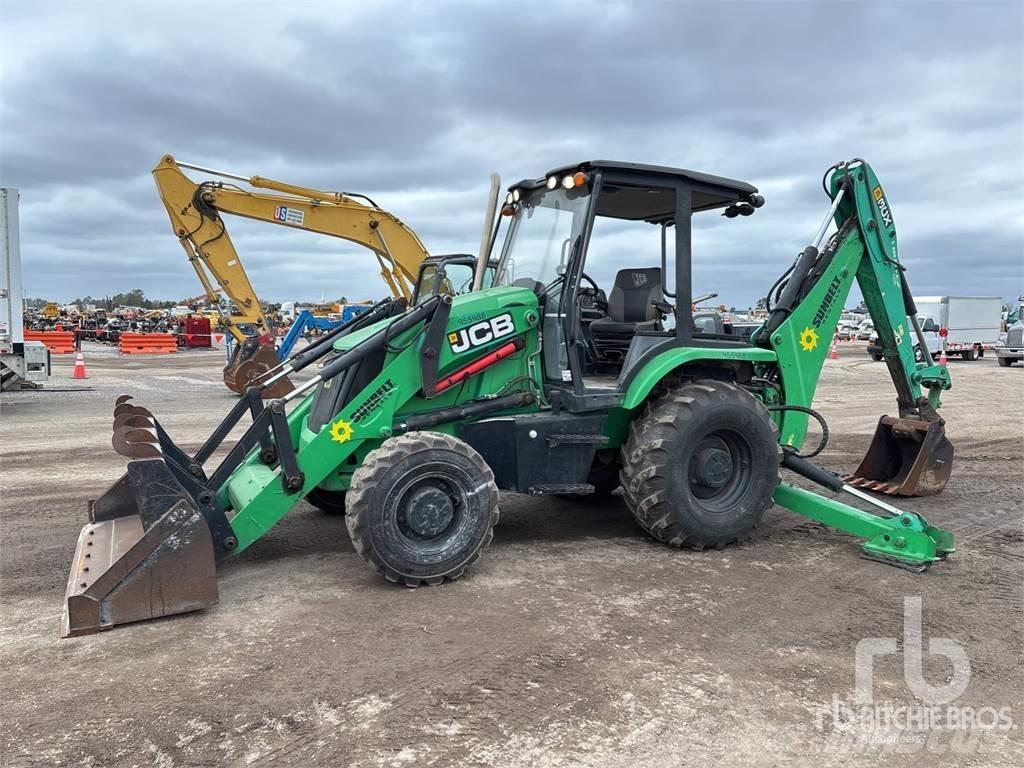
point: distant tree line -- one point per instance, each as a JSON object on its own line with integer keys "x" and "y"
{"x": 133, "y": 298}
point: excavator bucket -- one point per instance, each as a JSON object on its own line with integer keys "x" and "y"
{"x": 907, "y": 457}
{"x": 147, "y": 549}
{"x": 250, "y": 360}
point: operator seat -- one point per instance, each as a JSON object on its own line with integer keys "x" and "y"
{"x": 630, "y": 310}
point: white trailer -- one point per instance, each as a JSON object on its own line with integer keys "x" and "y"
{"x": 972, "y": 323}
{"x": 22, "y": 363}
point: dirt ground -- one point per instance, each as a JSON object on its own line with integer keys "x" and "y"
{"x": 574, "y": 641}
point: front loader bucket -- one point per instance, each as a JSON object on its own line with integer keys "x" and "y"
{"x": 907, "y": 457}
{"x": 249, "y": 360}
{"x": 146, "y": 552}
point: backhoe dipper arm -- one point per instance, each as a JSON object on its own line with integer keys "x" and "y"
{"x": 804, "y": 319}
{"x": 195, "y": 211}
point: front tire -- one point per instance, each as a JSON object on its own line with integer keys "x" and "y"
{"x": 1005, "y": 362}
{"x": 421, "y": 508}
{"x": 700, "y": 465}
{"x": 328, "y": 502}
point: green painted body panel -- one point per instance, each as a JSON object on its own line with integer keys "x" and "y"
{"x": 256, "y": 493}
{"x": 662, "y": 365}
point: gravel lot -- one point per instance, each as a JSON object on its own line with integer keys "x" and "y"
{"x": 575, "y": 641}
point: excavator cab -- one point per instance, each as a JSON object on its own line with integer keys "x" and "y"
{"x": 449, "y": 275}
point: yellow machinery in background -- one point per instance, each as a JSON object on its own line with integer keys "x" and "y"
{"x": 196, "y": 212}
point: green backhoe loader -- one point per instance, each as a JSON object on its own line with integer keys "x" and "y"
{"x": 547, "y": 383}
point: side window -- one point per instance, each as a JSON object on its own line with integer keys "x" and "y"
{"x": 619, "y": 241}
{"x": 704, "y": 324}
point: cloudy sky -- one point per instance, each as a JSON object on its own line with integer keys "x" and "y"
{"x": 415, "y": 103}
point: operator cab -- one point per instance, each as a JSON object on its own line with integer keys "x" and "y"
{"x": 606, "y": 248}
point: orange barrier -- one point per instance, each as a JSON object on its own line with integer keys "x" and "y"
{"x": 147, "y": 343}
{"x": 58, "y": 342}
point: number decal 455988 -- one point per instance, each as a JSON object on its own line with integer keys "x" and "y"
{"x": 481, "y": 333}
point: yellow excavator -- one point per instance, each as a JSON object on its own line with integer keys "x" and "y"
{"x": 196, "y": 213}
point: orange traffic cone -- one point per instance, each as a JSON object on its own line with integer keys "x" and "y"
{"x": 79, "y": 372}
{"x": 833, "y": 354}
{"x": 942, "y": 357}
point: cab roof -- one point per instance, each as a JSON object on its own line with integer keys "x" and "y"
{"x": 709, "y": 191}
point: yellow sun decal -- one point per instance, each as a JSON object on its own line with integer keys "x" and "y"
{"x": 341, "y": 431}
{"x": 808, "y": 339}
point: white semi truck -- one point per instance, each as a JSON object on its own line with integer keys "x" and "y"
{"x": 23, "y": 364}
{"x": 972, "y": 325}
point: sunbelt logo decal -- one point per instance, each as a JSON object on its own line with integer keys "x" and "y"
{"x": 481, "y": 333}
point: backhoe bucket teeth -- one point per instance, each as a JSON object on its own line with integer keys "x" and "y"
{"x": 146, "y": 552}
{"x": 250, "y": 360}
{"x": 906, "y": 457}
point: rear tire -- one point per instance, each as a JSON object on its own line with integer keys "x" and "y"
{"x": 328, "y": 502}
{"x": 876, "y": 357}
{"x": 968, "y": 355}
{"x": 421, "y": 508}
{"x": 700, "y": 465}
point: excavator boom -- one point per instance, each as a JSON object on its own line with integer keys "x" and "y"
{"x": 196, "y": 214}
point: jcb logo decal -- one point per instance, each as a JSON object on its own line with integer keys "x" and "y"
{"x": 639, "y": 279}
{"x": 481, "y": 333}
{"x": 883, "y": 206}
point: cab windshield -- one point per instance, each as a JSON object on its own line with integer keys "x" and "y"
{"x": 540, "y": 240}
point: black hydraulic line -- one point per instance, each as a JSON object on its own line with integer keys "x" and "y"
{"x": 468, "y": 410}
{"x": 791, "y": 293}
{"x": 817, "y": 416}
{"x": 379, "y": 339}
{"x": 908, "y": 297}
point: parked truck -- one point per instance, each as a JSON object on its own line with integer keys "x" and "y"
{"x": 971, "y": 325}
{"x": 23, "y": 364}
{"x": 1010, "y": 346}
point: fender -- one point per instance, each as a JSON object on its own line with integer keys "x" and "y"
{"x": 655, "y": 370}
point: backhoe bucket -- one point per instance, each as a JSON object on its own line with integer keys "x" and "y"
{"x": 146, "y": 552}
{"x": 249, "y": 360}
{"x": 907, "y": 457}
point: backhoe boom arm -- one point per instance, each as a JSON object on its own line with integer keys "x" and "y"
{"x": 804, "y": 321}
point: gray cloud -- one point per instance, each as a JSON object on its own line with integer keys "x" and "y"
{"x": 415, "y": 103}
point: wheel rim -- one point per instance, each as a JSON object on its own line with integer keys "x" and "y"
{"x": 719, "y": 470}
{"x": 428, "y": 509}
